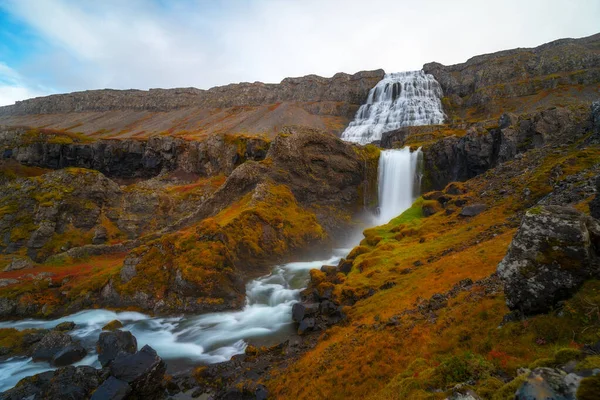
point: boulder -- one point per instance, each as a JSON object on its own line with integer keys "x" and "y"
{"x": 112, "y": 389}
{"x": 548, "y": 383}
{"x": 100, "y": 235}
{"x": 19, "y": 263}
{"x": 113, "y": 325}
{"x": 143, "y": 371}
{"x": 300, "y": 310}
{"x": 69, "y": 355}
{"x": 551, "y": 256}
{"x": 50, "y": 345}
{"x": 69, "y": 383}
{"x": 65, "y": 326}
{"x": 472, "y": 210}
{"x": 306, "y": 325}
{"x": 111, "y": 344}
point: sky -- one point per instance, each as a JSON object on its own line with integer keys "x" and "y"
{"x": 59, "y": 46}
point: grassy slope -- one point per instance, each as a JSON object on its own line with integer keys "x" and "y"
{"x": 367, "y": 358}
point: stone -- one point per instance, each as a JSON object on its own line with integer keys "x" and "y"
{"x": 18, "y": 264}
{"x": 7, "y": 281}
{"x": 100, "y": 235}
{"x": 111, "y": 344}
{"x": 143, "y": 371}
{"x": 473, "y": 210}
{"x": 129, "y": 271}
{"x": 50, "y": 345}
{"x": 112, "y": 389}
{"x": 595, "y": 203}
{"x": 306, "y": 325}
{"x": 65, "y": 326}
{"x": 261, "y": 393}
{"x": 550, "y": 257}
{"x": 68, "y": 383}
{"x": 113, "y": 325}
{"x": 546, "y": 383}
{"x": 301, "y": 310}
{"x": 69, "y": 355}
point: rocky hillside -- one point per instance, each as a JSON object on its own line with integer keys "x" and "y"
{"x": 311, "y": 101}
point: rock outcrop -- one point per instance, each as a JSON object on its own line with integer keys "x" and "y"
{"x": 553, "y": 253}
{"x": 134, "y": 158}
{"x": 490, "y": 82}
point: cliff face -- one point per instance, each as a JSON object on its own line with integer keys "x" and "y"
{"x": 321, "y": 103}
{"x": 520, "y": 80}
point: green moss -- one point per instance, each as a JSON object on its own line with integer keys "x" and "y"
{"x": 462, "y": 368}
{"x": 565, "y": 355}
{"x": 507, "y": 392}
{"x": 543, "y": 362}
{"x": 591, "y": 362}
{"x": 589, "y": 388}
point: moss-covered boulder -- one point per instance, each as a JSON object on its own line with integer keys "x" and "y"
{"x": 550, "y": 257}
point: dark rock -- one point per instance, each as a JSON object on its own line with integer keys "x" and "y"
{"x": 261, "y": 393}
{"x": 50, "y": 345}
{"x": 306, "y": 325}
{"x": 65, "y": 326}
{"x": 473, "y": 210}
{"x": 143, "y": 371}
{"x": 100, "y": 235}
{"x": 300, "y": 310}
{"x": 68, "y": 355}
{"x": 329, "y": 269}
{"x": 34, "y": 337}
{"x": 112, "y": 389}
{"x": 113, "y": 325}
{"x": 595, "y": 203}
{"x": 345, "y": 266}
{"x": 552, "y": 254}
{"x": 68, "y": 383}
{"x": 111, "y": 344}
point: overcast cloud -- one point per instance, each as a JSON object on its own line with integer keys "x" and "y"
{"x": 69, "y": 45}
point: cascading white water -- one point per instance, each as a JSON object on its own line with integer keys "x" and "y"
{"x": 185, "y": 341}
{"x": 399, "y": 99}
{"x": 399, "y": 181}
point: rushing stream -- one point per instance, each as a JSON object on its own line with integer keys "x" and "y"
{"x": 185, "y": 341}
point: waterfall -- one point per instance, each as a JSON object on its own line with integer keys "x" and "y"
{"x": 399, "y": 181}
{"x": 399, "y": 99}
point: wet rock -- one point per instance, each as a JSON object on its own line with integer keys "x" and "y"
{"x": 113, "y": 325}
{"x": 68, "y": 383}
{"x": 550, "y": 257}
{"x": 50, "y": 345}
{"x": 65, "y": 326}
{"x": 18, "y": 264}
{"x": 473, "y": 210}
{"x": 143, "y": 371}
{"x": 111, "y": 344}
{"x": 34, "y": 337}
{"x": 300, "y": 311}
{"x": 112, "y": 389}
{"x": 69, "y": 355}
{"x": 547, "y": 383}
{"x": 306, "y": 325}
{"x": 329, "y": 269}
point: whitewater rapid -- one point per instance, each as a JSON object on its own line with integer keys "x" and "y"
{"x": 186, "y": 341}
{"x": 400, "y": 99}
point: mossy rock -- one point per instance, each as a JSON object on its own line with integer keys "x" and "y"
{"x": 543, "y": 363}
{"x": 591, "y": 362}
{"x": 113, "y": 325}
{"x": 507, "y": 392}
{"x": 565, "y": 355}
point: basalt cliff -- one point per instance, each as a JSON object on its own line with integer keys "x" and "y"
{"x": 170, "y": 201}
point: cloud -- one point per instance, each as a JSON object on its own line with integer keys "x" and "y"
{"x": 144, "y": 44}
{"x": 13, "y": 87}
